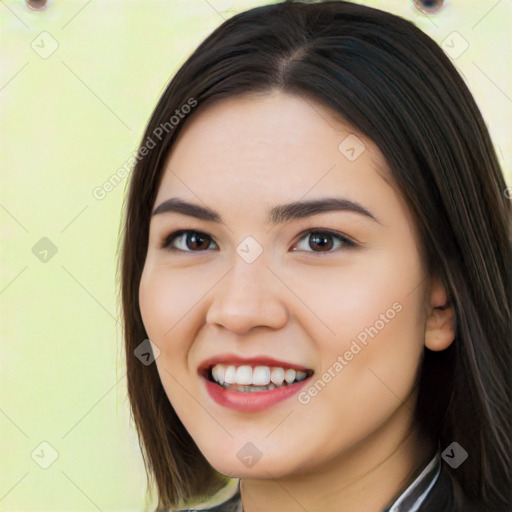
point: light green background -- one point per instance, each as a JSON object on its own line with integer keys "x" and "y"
{"x": 69, "y": 120}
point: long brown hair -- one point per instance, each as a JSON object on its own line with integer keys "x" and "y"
{"x": 394, "y": 84}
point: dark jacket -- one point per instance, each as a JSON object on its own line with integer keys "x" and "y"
{"x": 431, "y": 490}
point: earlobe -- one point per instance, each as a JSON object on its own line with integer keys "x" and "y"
{"x": 440, "y": 328}
{"x": 440, "y": 325}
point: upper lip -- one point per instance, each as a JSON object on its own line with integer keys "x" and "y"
{"x": 235, "y": 360}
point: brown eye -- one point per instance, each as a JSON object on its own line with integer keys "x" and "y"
{"x": 322, "y": 241}
{"x": 188, "y": 241}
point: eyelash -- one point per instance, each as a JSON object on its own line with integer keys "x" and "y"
{"x": 347, "y": 243}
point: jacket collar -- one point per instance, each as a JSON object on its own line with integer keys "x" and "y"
{"x": 411, "y": 499}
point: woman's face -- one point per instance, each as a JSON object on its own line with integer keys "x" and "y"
{"x": 258, "y": 290}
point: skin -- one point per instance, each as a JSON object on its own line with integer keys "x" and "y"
{"x": 354, "y": 444}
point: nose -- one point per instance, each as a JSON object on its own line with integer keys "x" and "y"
{"x": 249, "y": 296}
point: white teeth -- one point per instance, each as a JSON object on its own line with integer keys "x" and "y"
{"x": 230, "y": 375}
{"x": 277, "y": 376}
{"x": 220, "y": 373}
{"x": 244, "y": 375}
{"x": 289, "y": 375}
{"x": 263, "y": 376}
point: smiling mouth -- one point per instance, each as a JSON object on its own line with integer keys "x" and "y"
{"x": 250, "y": 379}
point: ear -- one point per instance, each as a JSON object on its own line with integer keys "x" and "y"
{"x": 440, "y": 322}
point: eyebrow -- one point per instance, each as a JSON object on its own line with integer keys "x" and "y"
{"x": 279, "y": 214}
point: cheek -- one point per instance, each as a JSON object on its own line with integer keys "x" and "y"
{"x": 368, "y": 372}
{"x": 156, "y": 304}
{"x": 165, "y": 299}
{"x": 171, "y": 302}
{"x": 374, "y": 311}
{"x": 166, "y": 309}
{"x": 376, "y": 293}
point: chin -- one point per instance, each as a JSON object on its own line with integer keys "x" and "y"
{"x": 264, "y": 468}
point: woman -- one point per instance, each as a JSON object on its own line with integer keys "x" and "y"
{"x": 317, "y": 243}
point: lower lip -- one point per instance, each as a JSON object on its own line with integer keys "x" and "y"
{"x": 251, "y": 401}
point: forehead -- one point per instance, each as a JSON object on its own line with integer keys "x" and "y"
{"x": 271, "y": 146}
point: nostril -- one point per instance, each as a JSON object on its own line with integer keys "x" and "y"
{"x": 36, "y": 5}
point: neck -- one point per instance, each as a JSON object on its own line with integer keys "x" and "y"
{"x": 366, "y": 477}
